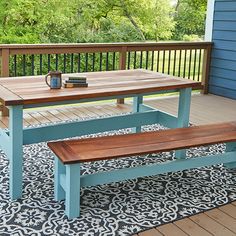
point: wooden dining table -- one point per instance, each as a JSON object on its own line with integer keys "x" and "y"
{"x": 19, "y": 93}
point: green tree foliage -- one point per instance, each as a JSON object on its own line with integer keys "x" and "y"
{"x": 190, "y": 18}
{"x": 63, "y": 21}
{"x": 32, "y": 21}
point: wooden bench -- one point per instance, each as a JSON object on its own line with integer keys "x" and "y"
{"x": 70, "y": 154}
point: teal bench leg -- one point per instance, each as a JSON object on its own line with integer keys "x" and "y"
{"x": 59, "y": 169}
{"x": 16, "y": 151}
{"x": 183, "y": 115}
{"x": 72, "y": 190}
{"x": 67, "y": 186}
{"x": 136, "y": 108}
{"x": 231, "y": 147}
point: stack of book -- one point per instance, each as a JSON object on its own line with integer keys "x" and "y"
{"x": 75, "y": 82}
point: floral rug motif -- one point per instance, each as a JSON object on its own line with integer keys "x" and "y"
{"x": 122, "y": 208}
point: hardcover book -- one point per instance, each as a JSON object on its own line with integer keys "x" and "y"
{"x": 75, "y": 81}
{"x": 83, "y": 78}
{"x": 75, "y": 85}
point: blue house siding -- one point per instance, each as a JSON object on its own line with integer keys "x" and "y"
{"x": 223, "y": 65}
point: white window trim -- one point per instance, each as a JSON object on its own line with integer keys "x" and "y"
{"x": 209, "y": 20}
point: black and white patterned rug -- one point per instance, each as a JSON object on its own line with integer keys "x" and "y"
{"x": 122, "y": 208}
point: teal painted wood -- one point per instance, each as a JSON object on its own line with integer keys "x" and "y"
{"x": 183, "y": 115}
{"x": 167, "y": 120}
{"x": 142, "y": 171}
{"x": 5, "y": 142}
{"x": 72, "y": 201}
{"x": 16, "y": 151}
{"x": 164, "y": 118}
{"x": 223, "y": 62}
{"x": 62, "y": 179}
{"x": 184, "y": 107}
{"x": 59, "y": 169}
{"x": 144, "y": 107}
{"x": 137, "y": 101}
{"x": 73, "y": 129}
{"x": 231, "y": 147}
{"x": 71, "y": 181}
{"x": 12, "y": 140}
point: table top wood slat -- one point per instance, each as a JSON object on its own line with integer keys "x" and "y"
{"x": 33, "y": 89}
{"x": 6, "y": 95}
{"x": 109, "y": 147}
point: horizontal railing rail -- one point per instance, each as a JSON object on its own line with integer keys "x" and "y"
{"x": 189, "y": 60}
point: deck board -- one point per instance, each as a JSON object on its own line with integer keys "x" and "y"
{"x": 151, "y": 232}
{"x": 222, "y": 218}
{"x": 230, "y": 210}
{"x": 191, "y": 228}
{"x": 205, "y": 109}
{"x": 211, "y": 225}
{"x": 171, "y": 229}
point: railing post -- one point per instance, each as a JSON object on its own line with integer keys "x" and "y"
{"x": 206, "y": 69}
{"x": 5, "y": 73}
{"x": 5, "y": 62}
{"x": 122, "y": 66}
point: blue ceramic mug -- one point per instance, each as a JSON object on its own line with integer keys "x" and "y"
{"x": 55, "y": 79}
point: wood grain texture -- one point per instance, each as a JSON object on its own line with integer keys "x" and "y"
{"x": 211, "y": 225}
{"x": 102, "y": 148}
{"x": 191, "y": 228}
{"x": 222, "y": 218}
{"x": 171, "y": 230}
{"x": 230, "y": 210}
{"x": 33, "y": 90}
{"x": 6, "y": 94}
{"x": 150, "y": 232}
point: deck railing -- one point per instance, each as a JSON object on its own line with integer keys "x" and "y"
{"x": 190, "y": 60}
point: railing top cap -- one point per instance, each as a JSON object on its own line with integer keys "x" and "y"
{"x": 99, "y": 45}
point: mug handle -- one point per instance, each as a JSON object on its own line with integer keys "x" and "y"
{"x": 46, "y": 79}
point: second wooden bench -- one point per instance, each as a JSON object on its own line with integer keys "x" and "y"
{"x": 70, "y": 154}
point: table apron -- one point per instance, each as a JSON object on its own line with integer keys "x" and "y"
{"x": 97, "y": 99}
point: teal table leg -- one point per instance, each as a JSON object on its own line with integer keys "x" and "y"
{"x": 59, "y": 169}
{"x": 16, "y": 151}
{"x": 72, "y": 190}
{"x": 231, "y": 147}
{"x": 137, "y": 101}
{"x": 183, "y": 115}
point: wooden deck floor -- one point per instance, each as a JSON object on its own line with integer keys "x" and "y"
{"x": 205, "y": 109}
{"x": 218, "y": 222}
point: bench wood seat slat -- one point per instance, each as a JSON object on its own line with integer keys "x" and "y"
{"x": 109, "y": 147}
